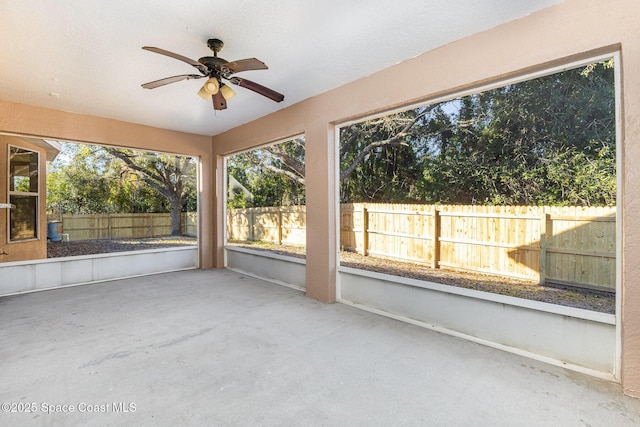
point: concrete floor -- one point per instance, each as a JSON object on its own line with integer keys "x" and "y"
{"x": 218, "y": 348}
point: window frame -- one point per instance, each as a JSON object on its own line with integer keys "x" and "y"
{"x": 33, "y": 194}
{"x": 515, "y": 77}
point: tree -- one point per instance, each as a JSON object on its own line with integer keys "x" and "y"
{"x": 531, "y": 142}
{"x": 167, "y": 174}
{"x": 379, "y": 158}
{"x": 81, "y": 181}
{"x": 92, "y": 179}
{"x": 549, "y": 140}
{"x": 534, "y": 142}
{"x": 273, "y": 174}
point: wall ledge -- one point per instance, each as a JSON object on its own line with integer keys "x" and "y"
{"x": 24, "y": 276}
{"x": 93, "y": 256}
{"x": 577, "y": 313}
{"x": 267, "y": 254}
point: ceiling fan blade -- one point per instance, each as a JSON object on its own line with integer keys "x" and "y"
{"x": 258, "y": 88}
{"x": 168, "y": 80}
{"x": 245, "y": 65}
{"x": 219, "y": 103}
{"x": 179, "y": 57}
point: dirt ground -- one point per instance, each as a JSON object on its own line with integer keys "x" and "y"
{"x": 572, "y": 297}
{"x": 90, "y": 247}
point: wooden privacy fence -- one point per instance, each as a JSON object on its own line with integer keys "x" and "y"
{"x": 284, "y": 224}
{"x": 123, "y": 226}
{"x": 572, "y": 246}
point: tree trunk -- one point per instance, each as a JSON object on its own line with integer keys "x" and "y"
{"x": 176, "y": 216}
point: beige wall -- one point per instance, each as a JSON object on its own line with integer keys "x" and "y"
{"x": 572, "y": 30}
{"x": 27, "y": 249}
{"x": 28, "y": 120}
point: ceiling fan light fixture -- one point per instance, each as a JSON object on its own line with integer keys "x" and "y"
{"x": 202, "y": 93}
{"x": 227, "y": 92}
{"x": 210, "y": 87}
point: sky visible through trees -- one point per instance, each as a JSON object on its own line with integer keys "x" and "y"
{"x": 545, "y": 141}
{"x": 89, "y": 179}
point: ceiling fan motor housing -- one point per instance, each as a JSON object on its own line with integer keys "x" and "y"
{"x": 212, "y": 62}
{"x": 215, "y": 45}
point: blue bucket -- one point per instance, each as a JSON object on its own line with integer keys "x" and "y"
{"x": 52, "y": 231}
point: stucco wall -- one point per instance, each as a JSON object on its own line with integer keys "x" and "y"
{"x": 571, "y": 31}
{"x": 27, "y": 249}
{"x": 28, "y": 120}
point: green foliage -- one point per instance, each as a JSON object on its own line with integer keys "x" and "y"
{"x": 190, "y": 195}
{"x": 238, "y": 201}
{"x": 89, "y": 179}
{"x": 381, "y": 158}
{"x": 548, "y": 141}
{"x": 272, "y": 176}
{"x": 80, "y": 180}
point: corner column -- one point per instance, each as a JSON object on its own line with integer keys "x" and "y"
{"x": 322, "y": 248}
{"x": 211, "y": 211}
{"x": 630, "y": 221}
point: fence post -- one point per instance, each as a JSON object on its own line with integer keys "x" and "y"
{"x": 435, "y": 232}
{"x": 280, "y": 225}
{"x": 109, "y": 226}
{"x": 151, "y": 224}
{"x": 544, "y": 220}
{"x": 251, "y": 219}
{"x": 365, "y": 231}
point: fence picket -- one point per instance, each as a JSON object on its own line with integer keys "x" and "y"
{"x": 122, "y": 226}
{"x": 565, "y": 245}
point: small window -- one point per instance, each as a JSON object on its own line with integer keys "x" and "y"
{"x": 23, "y": 193}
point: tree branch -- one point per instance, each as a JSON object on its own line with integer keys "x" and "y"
{"x": 397, "y": 139}
{"x": 285, "y": 172}
{"x": 294, "y": 164}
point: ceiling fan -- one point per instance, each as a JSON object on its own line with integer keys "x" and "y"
{"x": 217, "y": 69}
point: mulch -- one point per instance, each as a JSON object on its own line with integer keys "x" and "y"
{"x": 603, "y": 302}
{"x": 102, "y": 246}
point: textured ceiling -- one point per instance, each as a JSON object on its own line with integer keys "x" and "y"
{"x": 85, "y": 56}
